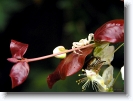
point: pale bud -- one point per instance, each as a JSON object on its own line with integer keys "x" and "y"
{"x": 59, "y": 49}
{"x": 122, "y": 72}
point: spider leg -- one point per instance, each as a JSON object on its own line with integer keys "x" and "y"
{"x": 90, "y": 37}
{"x": 84, "y": 42}
{"x": 79, "y": 53}
{"x": 76, "y": 45}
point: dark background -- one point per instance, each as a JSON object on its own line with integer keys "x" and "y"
{"x": 45, "y": 24}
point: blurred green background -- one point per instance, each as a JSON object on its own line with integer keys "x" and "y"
{"x": 45, "y": 24}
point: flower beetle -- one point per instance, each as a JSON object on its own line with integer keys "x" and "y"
{"x": 95, "y": 63}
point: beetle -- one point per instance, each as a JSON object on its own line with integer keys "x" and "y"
{"x": 95, "y": 63}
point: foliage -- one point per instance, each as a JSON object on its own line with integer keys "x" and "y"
{"x": 43, "y": 24}
{"x": 74, "y": 61}
{"x": 7, "y": 8}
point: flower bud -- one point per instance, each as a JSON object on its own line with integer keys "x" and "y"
{"x": 122, "y": 72}
{"x": 59, "y": 49}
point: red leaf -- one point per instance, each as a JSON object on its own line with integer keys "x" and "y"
{"x": 19, "y": 73}
{"x": 18, "y": 49}
{"x": 13, "y": 60}
{"x": 69, "y": 66}
{"x": 112, "y": 31}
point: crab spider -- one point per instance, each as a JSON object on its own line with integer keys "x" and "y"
{"x": 83, "y": 42}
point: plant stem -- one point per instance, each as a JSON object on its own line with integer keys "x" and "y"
{"x": 116, "y": 78}
{"x": 119, "y": 47}
{"x": 52, "y": 55}
{"x": 119, "y": 71}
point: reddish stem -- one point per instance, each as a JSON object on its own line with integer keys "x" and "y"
{"x": 52, "y": 55}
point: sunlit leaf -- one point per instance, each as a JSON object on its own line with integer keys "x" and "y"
{"x": 69, "y": 66}
{"x": 19, "y": 73}
{"x": 112, "y": 31}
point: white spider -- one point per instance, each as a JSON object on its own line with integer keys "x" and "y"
{"x": 83, "y": 42}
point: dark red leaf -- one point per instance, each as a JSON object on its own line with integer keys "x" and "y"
{"x": 112, "y": 31}
{"x": 69, "y": 66}
{"x": 18, "y": 49}
{"x": 13, "y": 60}
{"x": 19, "y": 73}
